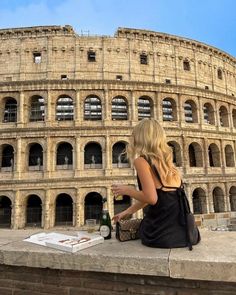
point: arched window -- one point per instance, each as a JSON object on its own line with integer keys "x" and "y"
{"x": 121, "y": 203}
{"x": 177, "y": 159}
{"x": 218, "y": 200}
{"x": 5, "y": 212}
{"x": 234, "y": 117}
{"x": 209, "y": 114}
{"x": 214, "y": 155}
{"x": 64, "y": 108}
{"x": 64, "y": 210}
{"x": 169, "y": 112}
{"x": 190, "y": 111}
{"x": 10, "y": 110}
{"x": 199, "y": 201}
{"x": 224, "y": 119}
{"x": 229, "y": 156}
{"x": 93, "y": 206}
{"x": 65, "y": 155}
{"x": 119, "y": 108}
{"x": 93, "y": 155}
{"x": 219, "y": 74}
{"x": 92, "y": 108}
{"x": 144, "y": 107}
{"x": 232, "y": 198}
{"x": 34, "y": 211}
{"x": 7, "y": 163}
{"x": 195, "y": 155}
{"x": 35, "y": 157}
{"x": 37, "y": 109}
{"x": 118, "y": 158}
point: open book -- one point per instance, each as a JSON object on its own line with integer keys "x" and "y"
{"x": 66, "y": 243}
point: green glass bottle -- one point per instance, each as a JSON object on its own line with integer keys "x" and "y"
{"x": 105, "y": 222}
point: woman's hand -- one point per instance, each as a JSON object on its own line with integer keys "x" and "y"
{"x": 121, "y": 215}
{"x": 119, "y": 189}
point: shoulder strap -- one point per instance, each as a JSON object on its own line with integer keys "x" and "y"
{"x": 153, "y": 167}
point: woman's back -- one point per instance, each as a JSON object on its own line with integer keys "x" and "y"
{"x": 160, "y": 226}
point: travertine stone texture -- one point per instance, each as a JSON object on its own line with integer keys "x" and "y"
{"x": 64, "y": 70}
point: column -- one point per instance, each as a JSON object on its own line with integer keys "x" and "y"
{"x": 106, "y": 108}
{"x": 206, "y": 156}
{"x": 108, "y": 158}
{"x": 78, "y": 109}
{"x": 47, "y": 211}
{"x": 21, "y": 114}
{"x": 227, "y": 197}
{"x": 20, "y": 159}
{"x": 48, "y": 159}
{"x": 16, "y": 212}
{"x": 77, "y": 159}
{"x": 110, "y": 201}
{"x": 134, "y": 109}
{"x": 49, "y": 109}
{"x": 210, "y": 199}
{"x": 158, "y": 101}
{"x": 77, "y": 208}
{"x": 222, "y": 156}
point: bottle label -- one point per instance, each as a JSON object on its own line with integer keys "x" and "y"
{"x": 104, "y": 231}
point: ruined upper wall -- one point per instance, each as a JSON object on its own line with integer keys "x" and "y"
{"x": 65, "y": 54}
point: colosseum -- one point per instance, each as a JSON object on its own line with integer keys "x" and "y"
{"x": 68, "y": 104}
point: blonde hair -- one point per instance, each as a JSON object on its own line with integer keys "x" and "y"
{"x": 148, "y": 139}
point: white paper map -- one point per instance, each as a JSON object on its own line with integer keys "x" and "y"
{"x": 66, "y": 243}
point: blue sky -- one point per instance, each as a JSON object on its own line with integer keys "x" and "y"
{"x": 209, "y": 21}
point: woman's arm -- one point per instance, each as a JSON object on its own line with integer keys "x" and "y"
{"x": 148, "y": 193}
{"x": 129, "y": 211}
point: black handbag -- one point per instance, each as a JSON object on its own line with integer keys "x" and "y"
{"x": 127, "y": 230}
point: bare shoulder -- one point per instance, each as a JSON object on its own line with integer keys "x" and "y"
{"x": 140, "y": 162}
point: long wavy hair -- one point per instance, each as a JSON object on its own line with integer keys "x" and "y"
{"x": 148, "y": 139}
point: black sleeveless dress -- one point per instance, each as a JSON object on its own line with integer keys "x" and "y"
{"x": 162, "y": 225}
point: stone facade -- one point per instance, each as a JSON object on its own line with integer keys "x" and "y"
{"x": 67, "y": 107}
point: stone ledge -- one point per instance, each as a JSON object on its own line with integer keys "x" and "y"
{"x": 214, "y": 259}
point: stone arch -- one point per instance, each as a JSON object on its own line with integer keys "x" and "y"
{"x": 5, "y": 211}
{"x": 223, "y": 115}
{"x": 121, "y": 203}
{"x": 119, "y": 108}
{"x": 34, "y": 211}
{"x": 234, "y": 117}
{"x": 145, "y": 107}
{"x": 7, "y": 157}
{"x": 232, "y": 198}
{"x": 209, "y": 114}
{"x": 64, "y": 210}
{"x": 35, "y": 157}
{"x": 195, "y": 155}
{"x": 229, "y": 156}
{"x": 92, "y": 108}
{"x": 64, "y": 108}
{"x": 199, "y": 201}
{"x": 177, "y": 159}
{"x": 37, "y": 108}
{"x": 218, "y": 200}
{"x": 10, "y": 110}
{"x": 93, "y": 155}
{"x": 169, "y": 109}
{"x": 118, "y": 158}
{"x": 93, "y": 206}
{"x": 214, "y": 155}
{"x": 64, "y": 155}
{"x": 190, "y": 111}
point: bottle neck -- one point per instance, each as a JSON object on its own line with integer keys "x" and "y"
{"x": 105, "y": 207}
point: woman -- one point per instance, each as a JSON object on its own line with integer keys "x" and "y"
{"x": 149, "y": 151}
